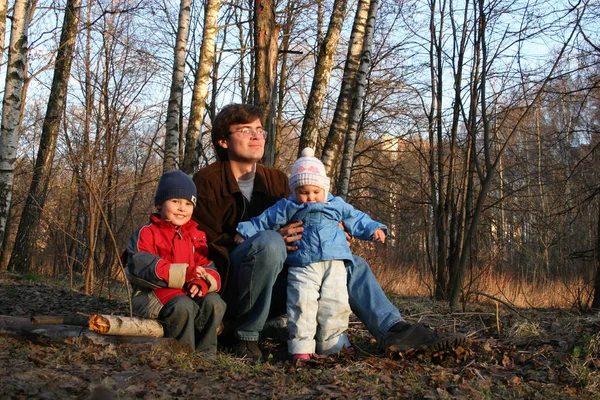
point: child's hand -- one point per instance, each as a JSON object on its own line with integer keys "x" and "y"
{"x": 379, "y": 235}
{"x": 195, "y": 290}
{"x": 238, "y": 239}
{"x": 194, "y": 273}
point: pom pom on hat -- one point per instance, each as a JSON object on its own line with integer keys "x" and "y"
{"x": 309, "y": 170}
{"x": 175, "y": 185}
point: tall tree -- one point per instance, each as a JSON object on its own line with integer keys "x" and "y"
{"x": 11, "y": 106}
{"x": 200, "y": 93}
{"x": 311, "y": 122}
{"x": 357, "y": 103}
{"x": 339, "y": 125}
{"x": 21, "y": 256}
{"x": 3, "y": 7}
{"x": 172, "y": 126}
{"x": 266, "y": 33}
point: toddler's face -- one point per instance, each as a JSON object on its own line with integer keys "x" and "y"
{"x": 309, "y": 194}
{"x": 177, "y": 211}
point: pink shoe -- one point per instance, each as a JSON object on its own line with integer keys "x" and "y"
{"x": 301, "y": 356}
{"x": 350, "y": 350}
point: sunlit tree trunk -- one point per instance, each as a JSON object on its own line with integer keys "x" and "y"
{"x": 172, "y": 124}
{"x": 357, "y": 103}
{"x": 339, "y": 125}
{"x": 596, "y": 299}
{"x": 200, "y": 93}
{"x": 22, "y": 251}
{"x": 266, "y": 34}
{"x": 11, "y": 106}
{"x": 3, "y": 7}
{"x": 310, "y": 125}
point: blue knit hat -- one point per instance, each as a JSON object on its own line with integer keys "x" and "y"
{"x": 175, "y": 185}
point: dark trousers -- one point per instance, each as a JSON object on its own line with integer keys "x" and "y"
{"x": 194, "y": 322}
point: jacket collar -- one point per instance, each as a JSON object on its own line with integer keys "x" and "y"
{"x": 155, "y": 218}
{"x": 231, "y": 186}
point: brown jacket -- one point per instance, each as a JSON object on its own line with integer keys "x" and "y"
{"x": 221, "y": 205}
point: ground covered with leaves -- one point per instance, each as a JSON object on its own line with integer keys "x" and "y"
{"x": 511, "y": 353}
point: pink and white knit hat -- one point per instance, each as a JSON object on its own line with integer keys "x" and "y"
{"x": 309, "y": 170}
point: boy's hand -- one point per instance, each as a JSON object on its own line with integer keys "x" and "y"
{"x": 194, "y": 273}
{"x": 379, "y": 235}
{"x": 195, "y": 291}
{"x": 291, "y": 233}
{"x": 238, "y": 239}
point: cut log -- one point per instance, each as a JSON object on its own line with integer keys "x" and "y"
{"x": 77, "y": 320}
{"x": 22, "y": 327}
{"x": 116, "y": 325}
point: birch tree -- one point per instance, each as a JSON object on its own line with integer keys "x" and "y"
{"x": 21, "y": 259}
{"x": 339, "y": 125}
{"x": 357, "y": 102}
{"x": 3, "y": 7}
{"x": 174, "y": 109}
{"x": 11, "y": 106}
{"x": 311, "y": 123}
{"x": 200, "y": 93}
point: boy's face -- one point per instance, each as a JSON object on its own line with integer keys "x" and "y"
{"x": 241, "y": 148}
{"x": 309, "y": 194}
{"x": 177, "y": 211}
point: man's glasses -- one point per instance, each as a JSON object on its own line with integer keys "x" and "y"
{"x": 252, "y": 133}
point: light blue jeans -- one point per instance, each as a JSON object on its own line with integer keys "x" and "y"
{"x": 317, "y": 308}
{"x": 260, "y": 284}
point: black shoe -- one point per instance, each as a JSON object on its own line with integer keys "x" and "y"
{"x": 249, "y": 350}
{"x": 404, "y": 336}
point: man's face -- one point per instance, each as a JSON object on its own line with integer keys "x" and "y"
{"x": 244, "y": 148}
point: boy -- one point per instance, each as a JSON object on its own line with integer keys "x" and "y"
{"x": 317, "y": 295}
{"x": 173, "y": 279}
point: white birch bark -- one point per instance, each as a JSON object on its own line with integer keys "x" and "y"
{"x": 200, "y": 93}
{"x": 11, "y": 107}
{"x": 357, "y": 103}
{"x": 172, "y": 124}
{"x": 3, "y": 7}
{"x": 310, "y": 125}
{"x": 20, "y": 260}
{"x": 339, "y": 126}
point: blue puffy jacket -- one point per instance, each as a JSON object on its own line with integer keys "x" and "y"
{"x": 322, "y": 238}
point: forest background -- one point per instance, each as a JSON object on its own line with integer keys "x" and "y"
{"x": 470, "y": 128}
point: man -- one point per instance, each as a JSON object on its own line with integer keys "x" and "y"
{"x": 236, "y": 188}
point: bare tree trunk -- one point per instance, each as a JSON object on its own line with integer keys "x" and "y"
{"x": 265, "y": 49}
{"x": 353, "y": 125}
{"x": 22, "y": 251}
{"x": 172, "y": 124}
{"x": 339, "y": 125}
{"x": 596, "y": 300}
{"x": 207, "y": 56}
{"x": 312, "y": 117}
{"x": 11, "y": 106}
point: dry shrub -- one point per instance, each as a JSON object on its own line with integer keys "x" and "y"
{"x": 409, "y": 281}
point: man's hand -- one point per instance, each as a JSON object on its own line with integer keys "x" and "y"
{"x": 348, "y": 235}
{"x": 291, "y": 233}
{"x": 238, "y": 239}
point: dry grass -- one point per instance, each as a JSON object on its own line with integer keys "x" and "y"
{"x": 574, "y": 292}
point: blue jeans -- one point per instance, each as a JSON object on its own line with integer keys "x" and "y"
{"x": 368, "y": 301}
{"x": 258, "y": 275}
